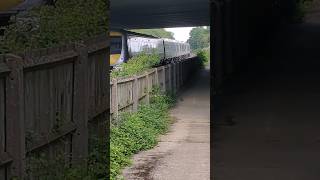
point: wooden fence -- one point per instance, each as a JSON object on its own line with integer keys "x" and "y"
{"x": 128, "y": 93}
{"x": 52, "y": 100}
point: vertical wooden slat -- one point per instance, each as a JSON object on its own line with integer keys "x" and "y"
{"x": 114, "y": 95}
{"x": 15, "y": 114}
{"x": 135, "y": 94}
{"x": 81, "y": 101}
{"x": 2, "y": 115}
{"x": 156, "y": 77}
{"x": 164, "y": 78}
{"x": 170, "y": 77}
{"x": 148, "y": 88}
{"x": 174, "y": 77}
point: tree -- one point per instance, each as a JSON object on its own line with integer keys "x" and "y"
{"x": 162, "y": 33}
{"x": 199, "y": 38}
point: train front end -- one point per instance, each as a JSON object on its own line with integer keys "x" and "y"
{"x": 6, "y": 5}
{"x": 117, "y": 53}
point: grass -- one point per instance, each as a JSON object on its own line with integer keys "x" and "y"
{"x": 138, "y": 131}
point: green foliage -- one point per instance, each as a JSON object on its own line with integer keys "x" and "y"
{"x": 138, "y": 131}
{"x": 301, "y": 10}
{"x": 204, "y": 56}
{"x": 162, "y": 33}
{"x": 47, "y": 26}
{"x": 42, "y": 165}
{"x": 136, "y": 65}
{"x": 199, "y": 38}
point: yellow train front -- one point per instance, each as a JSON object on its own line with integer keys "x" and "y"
{"x": 126, "y": 44}
{"x": 6, "y": 5}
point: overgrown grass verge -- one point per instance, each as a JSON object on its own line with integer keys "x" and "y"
{"x": 136, "y": 65}
{"x": 138, "y": 131}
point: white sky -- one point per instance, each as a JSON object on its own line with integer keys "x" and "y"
{"x": 180, "y": 34}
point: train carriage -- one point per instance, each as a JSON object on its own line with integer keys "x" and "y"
{"x": 126, "y": 44}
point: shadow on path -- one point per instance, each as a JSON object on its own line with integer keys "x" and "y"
{"x": 275, "y": 112}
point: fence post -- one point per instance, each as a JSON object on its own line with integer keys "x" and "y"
{"x": 15, "y": 117}
{"x": 156, "y": 77}
{"x": 170, "y": 76}
{"x": 135, "y": 94}
{"x": 114, "y": 95}
{"x": 164, "y": 78}
{"x": 181, "y": 73}
{"x": 81, "y": 104}
{"x": 148, "y": 87}
{"x": 174, "y": 78}
{"x": 178, "y": 76}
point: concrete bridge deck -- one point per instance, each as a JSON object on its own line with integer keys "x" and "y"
{"x": 184, "y": 152}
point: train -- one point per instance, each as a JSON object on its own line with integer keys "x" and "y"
{"x": 127, "y": 44}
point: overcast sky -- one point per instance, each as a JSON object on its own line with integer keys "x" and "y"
{"x": 180, "y": 34}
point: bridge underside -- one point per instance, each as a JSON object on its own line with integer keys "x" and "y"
{"x": 159, "y": 14}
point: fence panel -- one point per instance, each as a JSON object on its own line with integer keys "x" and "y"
{"x": 98, "y": 79}
{"x": 127, "y": 93}
{"x": 142, "y": 89}
{"x": 2, "y": 115}
{"x": 47, "y": 98}
{"x": 2, "y": 120}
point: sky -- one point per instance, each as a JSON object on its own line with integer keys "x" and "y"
{"x": 180, "y": 34}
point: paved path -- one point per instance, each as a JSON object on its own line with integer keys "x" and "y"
{"x": 184, "y": 152}
{"x": 275, "y": 109}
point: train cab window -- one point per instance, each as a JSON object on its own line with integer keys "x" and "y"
{"x": 115, "y": 45}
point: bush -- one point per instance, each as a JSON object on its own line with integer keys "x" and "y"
{"x": 136, "y": 65}
{"x": 204, "y": 56}
{"x": 302, "y": 6}
{"x": 46, "y": 26}
{"x": 138, "y": 131}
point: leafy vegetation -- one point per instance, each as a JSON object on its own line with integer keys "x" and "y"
{"x": 46, "y": 26}
{"x": 41, "y": 165}
{"x": 136, "y": 65}
{"x": 301, "y": 9}
{"x": 204, "y": 56}
{"x": 162, "y": 33}
{"x": 199, "y": 38}
{"x": 138, "y": 131}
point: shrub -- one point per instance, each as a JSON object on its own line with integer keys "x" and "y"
{"x": 47, "y": 26}
{"x": 136, "y": 65}
{"x": 204, "y": 56}
{"x": 138, "y": 131}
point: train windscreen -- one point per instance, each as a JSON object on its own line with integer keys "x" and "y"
{"x": 115, "y": 45}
